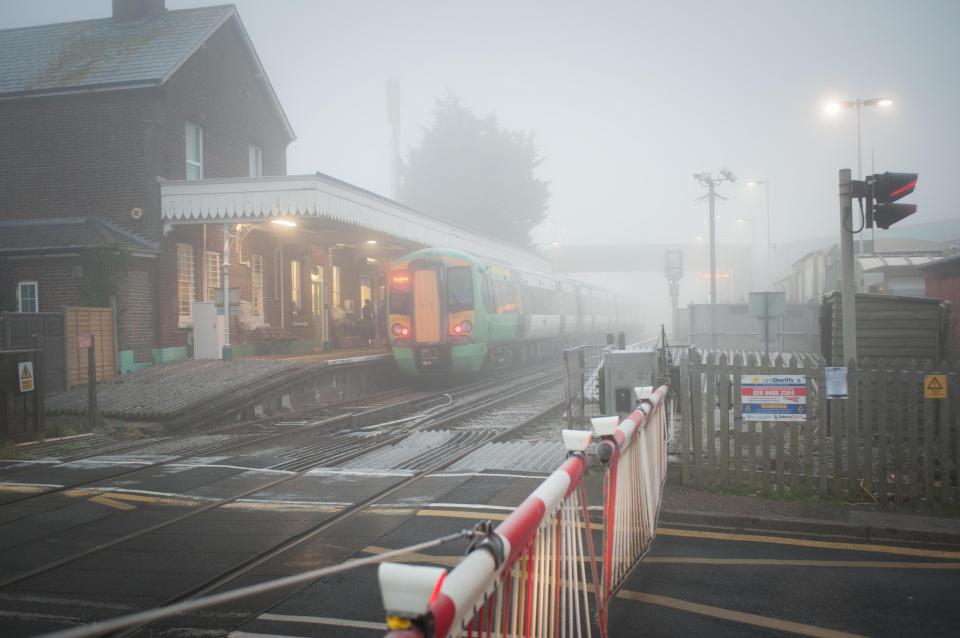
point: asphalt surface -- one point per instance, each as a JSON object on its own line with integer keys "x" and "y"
{"x": 694, "y": 582}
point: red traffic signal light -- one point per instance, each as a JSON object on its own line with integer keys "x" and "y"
{"x": 884, "y": 189}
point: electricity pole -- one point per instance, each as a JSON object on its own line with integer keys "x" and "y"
{"x": 707, "y": 180}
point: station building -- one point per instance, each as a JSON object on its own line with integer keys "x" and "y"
{"x": 140, "y": 144}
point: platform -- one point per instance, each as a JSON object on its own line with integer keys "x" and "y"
{"x": 169, "y": 391}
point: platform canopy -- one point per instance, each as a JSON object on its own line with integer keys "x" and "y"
{"x": 314, "y": 200}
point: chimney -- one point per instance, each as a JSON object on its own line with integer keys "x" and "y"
{"x": 136, "y": 10}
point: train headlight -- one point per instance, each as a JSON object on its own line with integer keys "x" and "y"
{"x": 399, "y": 330}
{"x": 405, "y": 332}
{"x": 465, "y": 327}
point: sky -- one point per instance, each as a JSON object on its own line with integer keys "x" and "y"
{"x": 627, "y": 99}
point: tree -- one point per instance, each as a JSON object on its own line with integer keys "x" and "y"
{"x": 472, "y": 172}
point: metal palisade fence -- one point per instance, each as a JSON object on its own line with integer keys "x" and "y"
{"x": 537, "y": 572}
{"x": 884, "y": 432}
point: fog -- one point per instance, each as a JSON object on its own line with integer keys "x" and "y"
{"x": 627, "y": 99}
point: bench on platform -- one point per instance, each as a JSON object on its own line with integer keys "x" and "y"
{"x": 271, "y": 341}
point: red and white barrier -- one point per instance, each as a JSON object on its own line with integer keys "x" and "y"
{"x": 533, "y": 575}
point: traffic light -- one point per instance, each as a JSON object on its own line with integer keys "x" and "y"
{"x": 883, "y": 190}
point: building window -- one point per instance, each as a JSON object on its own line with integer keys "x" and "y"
{"x": 295, "y": 298}
{"x": 185, "y": 283}
{"x": 28, "y": 299}
{"x": 255, "y": 160}
{"x": 213, "y": 273}
{"x": 194, "y": 134}
{"x": 256, "y": 275}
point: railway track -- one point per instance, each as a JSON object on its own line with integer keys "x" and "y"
{"x": 384, "y": 408}
{"x": 477, "y": 401}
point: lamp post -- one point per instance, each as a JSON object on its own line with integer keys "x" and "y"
{"x": 711, "y": 184}
{"x": 833, "y": 108}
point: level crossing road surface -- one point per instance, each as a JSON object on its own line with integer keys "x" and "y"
{"x": 693, "y": 583}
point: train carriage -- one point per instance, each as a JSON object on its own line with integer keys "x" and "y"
{"x": 452, "y": 312}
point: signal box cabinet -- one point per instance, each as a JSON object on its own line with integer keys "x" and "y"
{"x": 622, "y": 371}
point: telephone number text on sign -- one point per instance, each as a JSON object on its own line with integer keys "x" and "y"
{"x": 767, "y": 397}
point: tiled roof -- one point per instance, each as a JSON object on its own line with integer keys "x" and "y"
{"x": 94, "y": 53}
{"x": 66, "y": 234}
{"x": 106, "y": 54}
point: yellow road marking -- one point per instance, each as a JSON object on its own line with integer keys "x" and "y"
{"x": 799, "y": 542}
{"x": 103, "y": 499}
{"x": 728, "y": 536}
{"x": 21, "y": 488}
{"x": 135, "y": 498}
{"x": 735, "y": 616}
{"x": 272, "y": 506}
{"x": 772, "y": 562}
{"x": 415, "y": 557}
{"x": 470, "y": 514}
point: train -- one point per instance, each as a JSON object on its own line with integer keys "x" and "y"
{"x": 451, "y": 312}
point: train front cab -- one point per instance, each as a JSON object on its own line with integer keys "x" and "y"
{"x": 433, "y": 317}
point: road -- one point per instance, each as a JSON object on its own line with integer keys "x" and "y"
{"x": 703, "y": 583}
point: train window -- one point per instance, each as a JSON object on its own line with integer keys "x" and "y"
{"x": 459, "y": 288}
{"x": 399, "y": 300}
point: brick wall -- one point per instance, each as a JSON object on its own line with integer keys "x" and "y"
{"x": 135, "y": 309}
{"x": 100, "y": 154}
{"x": 58, "y": 280}
{"x": 77, "y": 155}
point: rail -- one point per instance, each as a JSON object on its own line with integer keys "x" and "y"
{"x": 533, "y": 574}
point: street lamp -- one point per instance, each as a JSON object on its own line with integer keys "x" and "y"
{"x": 711, "y": 184}
{"x": 833, "y": 108}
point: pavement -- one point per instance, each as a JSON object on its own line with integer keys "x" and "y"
{"x": 744, "y": 513}
{"x": 168, "y": 391}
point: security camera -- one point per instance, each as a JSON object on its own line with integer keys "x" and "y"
{"x": 726, "y": 174}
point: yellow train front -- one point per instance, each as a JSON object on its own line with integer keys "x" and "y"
{"x": 433, "y": 307}
{"x": 452, "y": 312}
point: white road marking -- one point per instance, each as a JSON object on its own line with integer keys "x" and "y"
{"x": 231, "y": 467}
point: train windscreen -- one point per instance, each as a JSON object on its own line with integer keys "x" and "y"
{"x": 459, "y": 289}
{"x": 400, "y": 292}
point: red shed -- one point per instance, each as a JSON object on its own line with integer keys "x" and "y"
{"x": 943, "y": 282}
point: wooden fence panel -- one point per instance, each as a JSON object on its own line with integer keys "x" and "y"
{"x": 86, "y": 321}
{"x": 724, "y": 372}
{"x": 867, "y": 379}
{"x": 883, "y": 405}
{"x": 737, "y": 422}
{"x": 687, "y": 412}
{"x": 697, "y": 414}
{"x": 711, "y": 425}
{"x": 885, "y": 441}
{"x": 851, "y": 431}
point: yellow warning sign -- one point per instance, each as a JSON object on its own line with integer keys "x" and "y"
{"x": 25, "y": 374}
{"x": 935, "y": 386}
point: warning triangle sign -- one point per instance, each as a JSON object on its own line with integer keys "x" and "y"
{"x": 25, "y": 374}
{"x": 934, "y": 383}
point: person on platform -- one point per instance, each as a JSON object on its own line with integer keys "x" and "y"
{"x": 367, "y": 314}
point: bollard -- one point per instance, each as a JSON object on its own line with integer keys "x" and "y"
{"x": 92, "y": 416}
